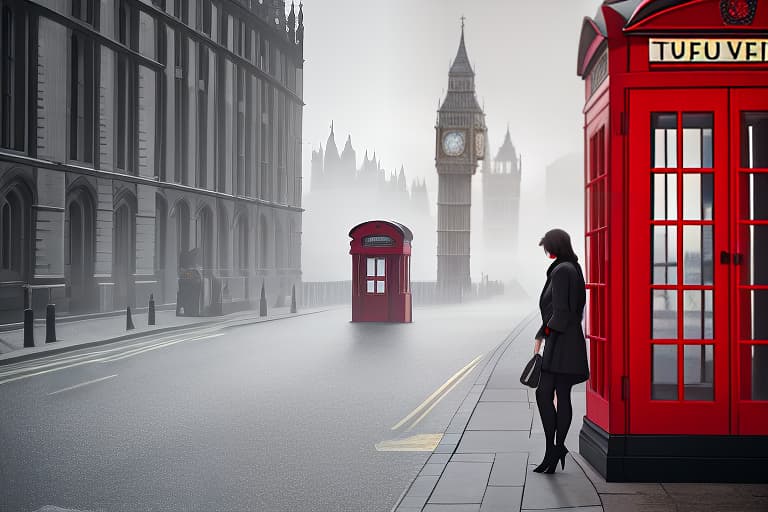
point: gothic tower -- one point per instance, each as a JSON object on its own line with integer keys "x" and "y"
{"x": 501, "y": 201}
{"x": 460, "y": 143}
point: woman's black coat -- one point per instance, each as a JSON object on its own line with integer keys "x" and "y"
{"x": 562, "y": 307}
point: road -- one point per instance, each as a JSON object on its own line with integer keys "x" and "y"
{"x": 290, "y": 415}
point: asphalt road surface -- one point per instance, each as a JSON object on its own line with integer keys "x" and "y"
{"x": 290, "y": 415}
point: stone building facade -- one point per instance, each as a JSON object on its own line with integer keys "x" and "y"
{"x": 135, "y": 130}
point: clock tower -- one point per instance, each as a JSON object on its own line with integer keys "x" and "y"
{"x": 460, "y": 143}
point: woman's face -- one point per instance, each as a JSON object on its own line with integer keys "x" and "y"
{"x": 550, "y": 255}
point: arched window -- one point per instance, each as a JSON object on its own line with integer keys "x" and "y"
{"x": 80, "y": 242}
{"x": 182, "y": 228}
{"x": 15, "y": 231}
{"x": 224, "y": 246}
{"x": 205, "y": 238}
{"x": 161, "y": 228}
{"x": 263, "y": 243}
{"x": 241, "y": 244}
{"x": 124, "y": 249}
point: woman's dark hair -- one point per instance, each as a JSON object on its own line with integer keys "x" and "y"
{"x": 558, "y": 242}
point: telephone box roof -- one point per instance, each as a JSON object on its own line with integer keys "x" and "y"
{"x": 594, "y": 31}
{"x": 407, "y": 234}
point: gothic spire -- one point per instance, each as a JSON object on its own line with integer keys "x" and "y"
{"x": 461, "y": 65}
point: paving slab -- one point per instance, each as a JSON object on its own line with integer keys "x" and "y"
{"x": 501, "y": 416}
{"x": 509, "y": 469}
{"x": 504, "y": 395}
{"x": 568, "y": 509}
{"x": 494, "y": 441}
{"x": 472, "y": 457}
{"x": 568, "y": 488}
{"x": 502, "y": 499}
{"x": 423, "y": 485}
{"x": 432, "y": 470}
{"x": 462, "y": 482}
{"x": 452, "y": 508}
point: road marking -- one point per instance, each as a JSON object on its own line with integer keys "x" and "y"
{"x": 94, "y": 381}
{"x": 439, "y": 390}
{"x": 437, "y": 401}
{"x": 418, "y": 443}
{"x": 107, "y": 359}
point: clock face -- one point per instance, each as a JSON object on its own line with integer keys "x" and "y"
{"x": 453, "y": 143}
{"x": 480, "y": 145}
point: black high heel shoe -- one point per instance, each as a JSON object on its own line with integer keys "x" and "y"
{"x": 559, "y": 455}
{"x": 549, "y": 460}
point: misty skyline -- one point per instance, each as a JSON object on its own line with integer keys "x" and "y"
{"x": 380, "y": 80}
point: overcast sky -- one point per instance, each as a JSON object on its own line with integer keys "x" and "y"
{"x": 378, "y": 69}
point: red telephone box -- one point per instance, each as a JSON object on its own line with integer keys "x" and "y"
{"x": 676, "y": 178}
{"x": 381, "y": 272}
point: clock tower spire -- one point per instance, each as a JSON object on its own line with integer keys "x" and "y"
{"x": 460, "y": 144}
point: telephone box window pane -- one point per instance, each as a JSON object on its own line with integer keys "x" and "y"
{"x": 371, "y": 267}
{"x": 698, "y": 196}
{"x": 754, "y": 372}
{"x": 698, "y": 266}
{"x": 757, "y": 259}
{"x": 664, "y": 373}
{"x": 754, "y": 321}
{"x": 371, "y": 286}
{"x": 698, "y": 372}
{"x": 696, "y": 129}
{"x": 698, "y": 310}
{"x": 664, "y": 254}
{"x": 664, "y": 140}
{"x": 664, "y": 196}
{"x": 664, "y": 315}
{"x": 379, "y": 286}
{"x": 756, "y": 188}
{"x": 380, "y": 267}
{"x": 754, "y": 140}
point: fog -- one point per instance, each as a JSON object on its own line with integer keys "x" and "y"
{"x": 379, "y": 78}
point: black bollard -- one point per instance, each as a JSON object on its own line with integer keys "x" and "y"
{"x": 293, "y": 299}
{"x": 50, "y": 323}
{"x": 29, "y": 333}
{"x": 151, "y": 312}
{"x": 263, "y": 301}
{"x": 128, "y": 320}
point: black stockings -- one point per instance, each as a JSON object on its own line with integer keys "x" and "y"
{"x": 555, "y": 421}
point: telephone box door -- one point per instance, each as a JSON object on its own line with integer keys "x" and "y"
{"x": 679, "y": 258}
{"x": 749, "y": 195}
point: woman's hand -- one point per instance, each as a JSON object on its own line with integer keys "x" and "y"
{"x": 537, "y": 347}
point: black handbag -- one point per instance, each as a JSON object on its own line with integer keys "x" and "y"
{"x": 532, "y": 372}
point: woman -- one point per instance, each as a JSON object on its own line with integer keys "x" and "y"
{"x": 564, "y": 362}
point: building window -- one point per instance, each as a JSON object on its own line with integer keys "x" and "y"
{"x": 206, "y": 16}
{"x": 13, "y": 80}
{"x": 242, "y": 132}
{"x": 181, "y": 111}
{"x": 224, "y": 30}
{"x": 160, "y": 111}
{"x": 181, "y": 10}
{"x": 82, "y": 99}
{"x": 203, "y": 57}
{"x": 84, "y": 11}
{"x": 15, "y": 231}
{"x": 376, "y": 275}
{"x": 126, "y": 115}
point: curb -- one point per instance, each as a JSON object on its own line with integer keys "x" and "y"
{"x": 234, "y": 322}
{"x": 459, "y": 422}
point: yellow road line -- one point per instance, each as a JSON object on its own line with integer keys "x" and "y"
{"x": 440, "y": 398}
{"x": 418, "y": 443}
{"x": 439, "y": 390}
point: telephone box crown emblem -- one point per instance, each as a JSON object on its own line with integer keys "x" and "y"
{"x": 738, "y": 12}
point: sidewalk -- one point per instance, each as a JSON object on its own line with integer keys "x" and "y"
{"x": 94, "y": 331}
{"x": 484, "y": 461}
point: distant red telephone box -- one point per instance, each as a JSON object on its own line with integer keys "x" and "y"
{"x": 381, "y": 272}
{"x": 676, "y": 177}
